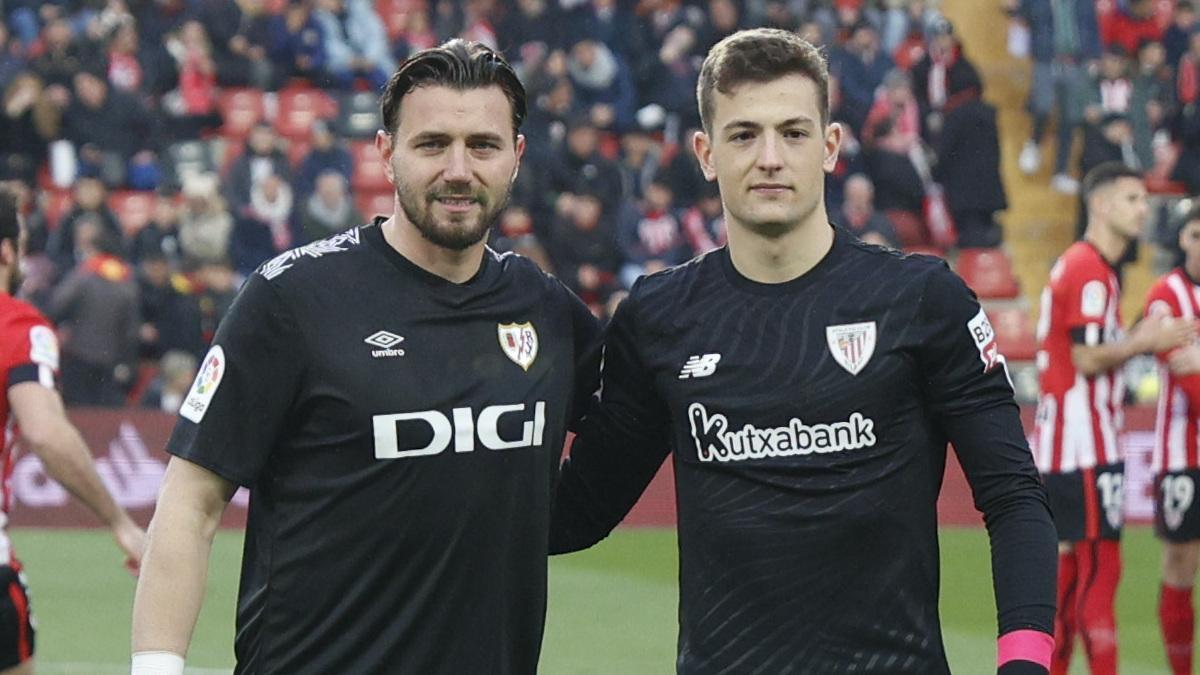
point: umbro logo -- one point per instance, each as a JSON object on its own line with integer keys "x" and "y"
{"x": 699, "y": 366}
{"x": 386, "y": 342}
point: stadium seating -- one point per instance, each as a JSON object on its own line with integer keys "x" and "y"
{"x": 988, "y": 271}
{"x": 1014, "y": 332}
{"x": 368, "y": 168}
{"x": 299, "y": 107}
{"x": 241, "y": 109}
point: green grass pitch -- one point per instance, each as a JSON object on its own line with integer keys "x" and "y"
{"x": 612, "y": 609}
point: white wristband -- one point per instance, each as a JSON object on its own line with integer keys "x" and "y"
{"x": 157, "y": 663}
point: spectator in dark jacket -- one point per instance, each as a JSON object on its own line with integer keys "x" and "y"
{"x": 239, "y": 41}
{"x": 968, "y": 164}
{"x": 170, "y": 318}
{"x": 943, "y": 68}
{"x": 603, "y": 85}
{"x": 326, "y": 154}
{"x": 534, "y": 24}
{"x": 160, "y": 236}
{"x": 96, "y": 310}
{"x": 263, "y": 157}
{"x": 25, "y": 127}
{"x": 583, "y": 248}
{"x": 90, "y": 197}
{"x": 113, "y": 133}
{"x": 580, "y": 160}
{"x": 1183, "y": 25}
{"x": 860, "y": 66}
{"x": 297, "y": 42}
{"x": 61, "y": 57}
{"x": 609, "y": 22}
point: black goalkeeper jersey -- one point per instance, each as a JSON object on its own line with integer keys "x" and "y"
{"x": 809, "y": 423}
{"x": 399, "y": 434}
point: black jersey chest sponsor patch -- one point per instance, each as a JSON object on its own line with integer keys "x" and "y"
{"x": 718, "y": 439}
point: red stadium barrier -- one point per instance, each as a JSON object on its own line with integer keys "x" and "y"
{"x": 128, "y": 447}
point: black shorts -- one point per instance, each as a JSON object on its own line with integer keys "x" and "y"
{"x": 1176, "y": 507}
{"x": 16, "y": 619}
{"x": 1089, "y": 503}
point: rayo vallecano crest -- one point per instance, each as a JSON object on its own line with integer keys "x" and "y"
{"x": 519, "y": 342}
{"x": 852, "y": 344}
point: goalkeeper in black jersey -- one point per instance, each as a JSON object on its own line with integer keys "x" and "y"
{"x": 807, "y": 384}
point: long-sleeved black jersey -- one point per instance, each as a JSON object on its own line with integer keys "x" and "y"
{"x": 809, "y": 422}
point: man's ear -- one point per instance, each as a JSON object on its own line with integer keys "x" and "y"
{"x": 702, "y": 146}
{"x": 385, "y": 144}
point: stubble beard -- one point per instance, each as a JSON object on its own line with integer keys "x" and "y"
{"x": 456, "y": 233}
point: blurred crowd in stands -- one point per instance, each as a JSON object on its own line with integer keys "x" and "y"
{"x": 165, "y": 148}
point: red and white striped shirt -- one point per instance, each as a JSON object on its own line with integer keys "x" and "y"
{"x": 28, "y": 353}
{"x": 1176, "y": 430}
{"x": 1078, "y": 416}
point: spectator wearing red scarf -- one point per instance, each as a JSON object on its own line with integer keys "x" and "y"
{"x": 96, "y": 310}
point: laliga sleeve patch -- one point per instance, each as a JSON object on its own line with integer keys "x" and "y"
{"x": 1159, "y": 308}
{"x": 205, "y": 386}
{"x": 984, "y": 338}
{"x": 1095, "y": 296}
{"x": 43, "y": 347}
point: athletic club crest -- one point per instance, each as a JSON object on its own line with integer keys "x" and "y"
{"x": 852, "y": 344}
{"x": 519, "y": 342}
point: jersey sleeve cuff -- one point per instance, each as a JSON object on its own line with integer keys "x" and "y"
{"x": 31, "y": 372}
{"x": 1032, "y": 646}
{"x": 1090, "y": 334}
{"x": 225, "y": 472}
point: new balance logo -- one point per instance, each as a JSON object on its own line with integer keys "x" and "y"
{"x": 700, "y": 366}
{"x": 386, "y": 342}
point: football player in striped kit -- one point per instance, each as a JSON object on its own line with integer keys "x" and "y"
{"x": 1082, "y": 347}
{"x": 31, "y": 409}
{"x": 1176, "y": 461}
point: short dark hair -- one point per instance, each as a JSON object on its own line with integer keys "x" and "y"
{"x": 10, "y": 226}
{"x": 1106, "y": 174}
{"x": 759, "y": 55}
{"x": 457, "y": 64}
